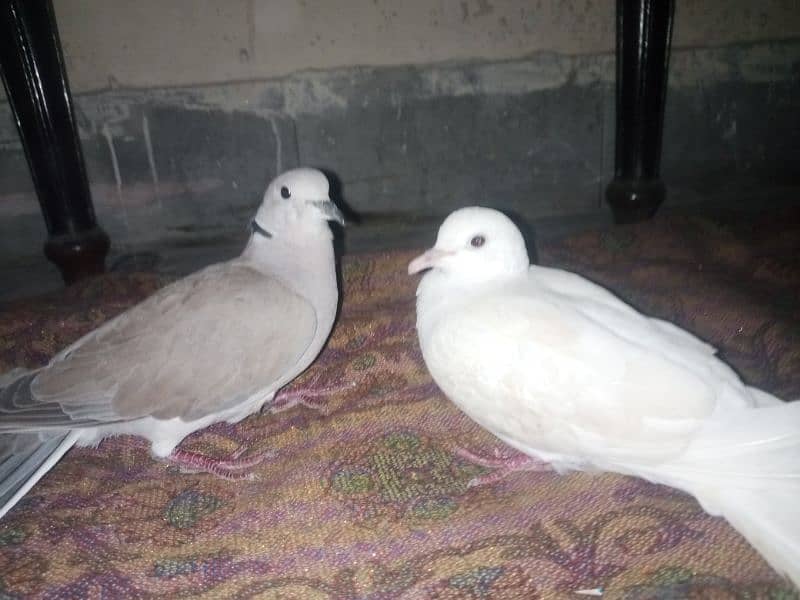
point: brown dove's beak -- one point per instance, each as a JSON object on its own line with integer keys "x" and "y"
{"x": 427, "y": 260}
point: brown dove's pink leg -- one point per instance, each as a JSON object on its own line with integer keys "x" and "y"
{"x": 501, "y": 465}
{"x": 231, "y": 467}
{"x": 309, "y": 396}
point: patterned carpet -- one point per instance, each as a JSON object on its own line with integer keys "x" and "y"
{"x": 369, "y": 500}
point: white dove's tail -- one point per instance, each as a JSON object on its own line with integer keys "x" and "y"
{"x": 771, "y": 523}
{"x": 746, "y": 468}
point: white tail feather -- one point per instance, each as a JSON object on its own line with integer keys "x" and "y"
{"x": 746, "y": 468}
{"x": 771, "y": 523}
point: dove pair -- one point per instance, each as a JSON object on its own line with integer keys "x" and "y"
{"x": 552, "y": 364}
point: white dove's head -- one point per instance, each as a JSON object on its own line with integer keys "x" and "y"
{"x": 296, "y": 198}
{"x": 475, "y": 244}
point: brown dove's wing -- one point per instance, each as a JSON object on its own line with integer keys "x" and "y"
{"x": 201, "y": 345}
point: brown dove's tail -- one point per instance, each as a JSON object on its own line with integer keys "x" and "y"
{"x": 25, "y": 458}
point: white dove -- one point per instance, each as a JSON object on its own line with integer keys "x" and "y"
{"x": 215, "y": 346}
{"x": 565, "y": 372}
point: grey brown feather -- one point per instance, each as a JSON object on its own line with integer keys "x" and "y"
{"x": 130, "y": 370}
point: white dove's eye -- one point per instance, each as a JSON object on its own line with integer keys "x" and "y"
{"x": 477, "y": 241}
{"x": 285, "y": 193}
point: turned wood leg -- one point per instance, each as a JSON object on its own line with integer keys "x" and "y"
{"x": 644, "y": 30}
{"x": 35, "y": 80}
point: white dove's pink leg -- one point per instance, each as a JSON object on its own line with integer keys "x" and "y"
{"x": 501, "y": 465}
{"x": 231, "y": 467}
{"x": 309, "y": 396}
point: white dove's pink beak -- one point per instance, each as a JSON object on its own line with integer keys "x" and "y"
{"x": 427, "y": 260}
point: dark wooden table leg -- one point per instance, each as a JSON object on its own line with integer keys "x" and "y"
{"x": 36, "y": 83}
{"x": 644, "y": 30}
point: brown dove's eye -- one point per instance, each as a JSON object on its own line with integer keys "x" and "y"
{"x": 477, "y": 241}
{"x": 285, "y": 192}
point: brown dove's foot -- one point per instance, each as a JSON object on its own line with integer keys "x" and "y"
{"x": 501, "y": 465}
{"x": 309, "y": 396}
{"x": 231, "y": 468}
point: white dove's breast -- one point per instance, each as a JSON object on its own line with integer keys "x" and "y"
{"x": 477, "y": 371}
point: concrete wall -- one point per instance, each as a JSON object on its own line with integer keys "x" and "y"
{"x": 212, "y": 41}
{"x": 153, "y": 43}
{"x": 188, "y": 107}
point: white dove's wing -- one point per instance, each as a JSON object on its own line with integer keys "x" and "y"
{"x": 203, "y": 344}
{"x": 574, "y": 286}
{"x": 546, "y": 377}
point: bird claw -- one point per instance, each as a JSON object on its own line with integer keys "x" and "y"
{"x": 230, "y": 468}
{"x": 500, "y": 465}
{"x": 486, "y": 479}
{"x": 306, "y": 396}
{"x": 297, "y": 398}
{"x": 236, "y": 453}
